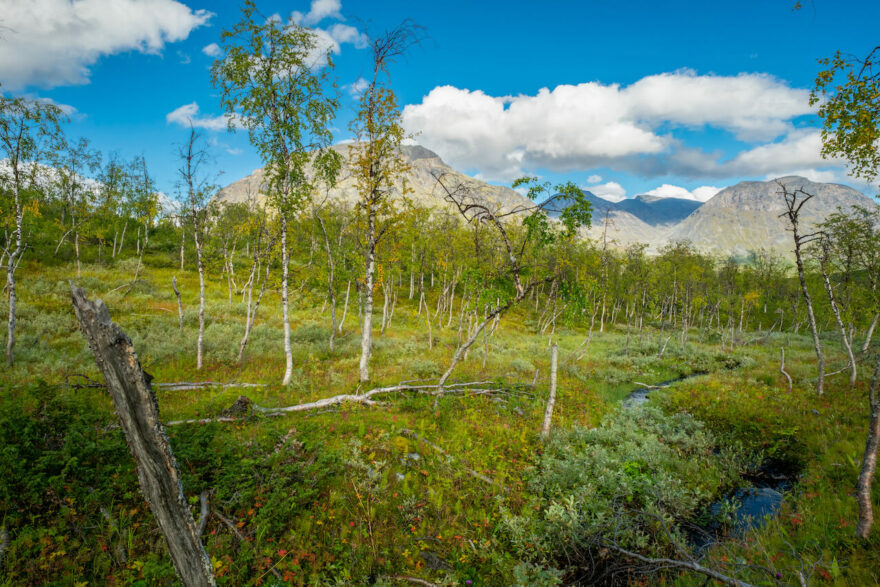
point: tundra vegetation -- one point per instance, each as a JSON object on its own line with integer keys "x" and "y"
{"x": 313, "y": 448}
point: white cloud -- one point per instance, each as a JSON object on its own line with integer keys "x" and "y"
{"x": 800, "y": 149}
{"x": 212, "y": 50}
{"x": 611, "y": 191}
{"x": 753, "y": 106}
{"x": 319, "y": 10}
{"x": 573, "y": 127}
{"x": 50, "y": 43}
{"x": 700, "y": 194}
{"x": 705, "y": 193}
{"x": 594, "y": 179}
{"x": 356, "y": 88}
{"x": 189, "y": 114}
{"x": 66, "y": 109}
{"x": 330, "y": 41}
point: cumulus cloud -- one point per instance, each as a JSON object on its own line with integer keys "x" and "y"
{"x": 700, "y": 194}
{"x": 212, "y": 50}
{"x": 330, "y": 41}
{"x": 188, "y": 114}
{"x": 798, "y": 150}
{"x": 630, "y": 128}
{"x": 752, "y": 106}
{"x": 49, "y": 43}
{"x": 319, "y": 10}
{"x": 594, "y": 179}
{"x": 611, "y": 191}
{"x": 357, "y": 87}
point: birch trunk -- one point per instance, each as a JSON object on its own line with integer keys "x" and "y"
{"x": 285, "y": 309}
{"x": 869, "y": 461}
{"x": 367, "y": 323}
{"x": 179, "y": 303}
{"x": 551, "y": 400}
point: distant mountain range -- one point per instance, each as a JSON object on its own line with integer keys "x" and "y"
{"x": 738, "y": 219}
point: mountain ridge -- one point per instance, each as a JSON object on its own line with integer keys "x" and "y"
{"x": 738, "y": 219}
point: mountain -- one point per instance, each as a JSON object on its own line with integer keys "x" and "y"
{"x": 642, "y": 219}
{"x": 658, "y": 211}
{"x": 420, "y": 179}
{"x": 745, "y": 217}
{"x": 737, "y": 220}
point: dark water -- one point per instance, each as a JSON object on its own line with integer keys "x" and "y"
{"x": 759, "y": 500}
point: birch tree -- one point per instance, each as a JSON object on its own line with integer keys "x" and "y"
{"x": 28, "y": 129}
{"x": 273, "y": 79}
{"x": 378, "y": 164}
{"x": 193, "y": 158}
{"x": 75, "y": 192}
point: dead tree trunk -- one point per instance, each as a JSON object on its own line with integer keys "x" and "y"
{"x": 794, "y": 201}
{"x": 869, "y": 461}
{"x": 138, "y": 412}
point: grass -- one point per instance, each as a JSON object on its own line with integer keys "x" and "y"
{"x": 339, "y": 496}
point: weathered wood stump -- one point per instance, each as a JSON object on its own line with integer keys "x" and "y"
{"x": 138, "y": 413}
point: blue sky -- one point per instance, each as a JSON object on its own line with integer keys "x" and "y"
{"x": 674, "y": 98}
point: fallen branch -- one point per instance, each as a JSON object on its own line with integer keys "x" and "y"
{"x": 407, "y": 433}
{"x": 415, "y": 580}
{"x": 690, "y": 565}
{"x": 190, "y": 386}
{"x": 364, "y": 398}
{"x": 646, "y": 386}
{"x": 783, "y": 371}
{"x": 92, "y": 384}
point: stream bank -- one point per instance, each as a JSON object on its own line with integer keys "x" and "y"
{"x": 760, "y": 497}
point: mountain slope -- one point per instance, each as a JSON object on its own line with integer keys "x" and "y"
{"x": 420, "y": 179}
{"x": 658, "y": 211}
{"x": 745, "y": 217}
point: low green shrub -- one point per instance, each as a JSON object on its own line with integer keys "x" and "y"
{"x": 629, "y": 482}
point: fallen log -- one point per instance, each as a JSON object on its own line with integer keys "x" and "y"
{"x": 192, "y": 385}
{"x": 363, "y": 398}
{"x": 138, "y": 413}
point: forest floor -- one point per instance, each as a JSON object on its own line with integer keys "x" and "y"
{"x": 347, "y": 495}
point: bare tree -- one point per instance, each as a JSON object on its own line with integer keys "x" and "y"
{"x": 477, "y": 211}
{"x": 794, "y": 202}
{"x": 194, "y": 156}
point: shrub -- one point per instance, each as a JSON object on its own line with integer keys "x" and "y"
{"x": 630, "y": 481}
{"x": 522, "y": 366}
{"x": 424, "y": 368}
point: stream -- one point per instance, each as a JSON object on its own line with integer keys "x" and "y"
{"x": 761, "y": 497}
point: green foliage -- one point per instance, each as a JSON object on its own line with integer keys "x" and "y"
{"x": 848, "y": 94}
{"x": 628, "y": 482}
